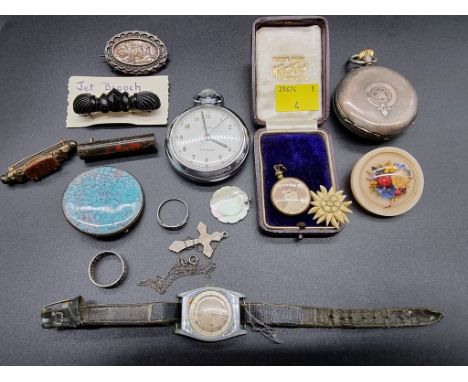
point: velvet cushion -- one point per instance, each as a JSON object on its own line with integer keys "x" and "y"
{"x": 305, "y": 155}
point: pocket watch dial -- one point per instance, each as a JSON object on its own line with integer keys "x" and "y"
{"x": 207, "y": 139}
{"x": 210, "y": 314}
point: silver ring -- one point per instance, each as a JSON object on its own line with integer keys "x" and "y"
{"x": 93, "y": 265}
{"x": 193, "y": 259}
{"x": 171, "y": 227}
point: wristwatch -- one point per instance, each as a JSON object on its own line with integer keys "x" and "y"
{"x": 214, "y": 314}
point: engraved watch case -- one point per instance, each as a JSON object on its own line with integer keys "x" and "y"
{"x": 210, "y": 314}
{"x": 136, "y": 53}
{"x": 373, "y": 101}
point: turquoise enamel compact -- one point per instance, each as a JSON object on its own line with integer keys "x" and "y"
{"x": 103, "y": 201}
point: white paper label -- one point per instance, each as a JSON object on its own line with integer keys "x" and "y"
{"x": 99, "y": 85}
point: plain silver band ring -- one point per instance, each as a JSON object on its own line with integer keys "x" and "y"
{"x": 174, "y": 227}
{"x": 92, "y": 269}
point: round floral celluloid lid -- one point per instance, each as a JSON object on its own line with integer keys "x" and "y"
{"x": 387, "y": 181}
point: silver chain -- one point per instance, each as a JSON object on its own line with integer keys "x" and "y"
{"x": 261, "y": 327}
{"x": 183, "y": 268}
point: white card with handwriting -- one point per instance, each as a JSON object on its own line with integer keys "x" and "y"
{"x": 99, "y": 85}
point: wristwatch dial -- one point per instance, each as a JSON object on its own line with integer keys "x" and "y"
{"x": 210, "y": 314}
{"x": 207, "y": 143}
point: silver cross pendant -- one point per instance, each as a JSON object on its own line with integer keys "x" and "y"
{"x": 204, "y": 240}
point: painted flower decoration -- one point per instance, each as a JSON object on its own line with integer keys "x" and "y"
{"x": 390, "y": 181}
{"x": 384, "y": 181}
{"x": 330, "y": 206}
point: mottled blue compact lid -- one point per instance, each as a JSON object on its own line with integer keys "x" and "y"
{"x": 103, "y": 201}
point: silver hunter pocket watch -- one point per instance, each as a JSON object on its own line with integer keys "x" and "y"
{"x": 207, "y": 143}
{"x": 373, "y": 101}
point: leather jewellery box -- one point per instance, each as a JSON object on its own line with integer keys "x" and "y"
{"x": 290, "y": 103}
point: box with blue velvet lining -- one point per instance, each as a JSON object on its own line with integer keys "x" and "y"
{"x": 290, "y": 51}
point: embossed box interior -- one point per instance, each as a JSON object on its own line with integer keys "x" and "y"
{"x": 290, "y": 50}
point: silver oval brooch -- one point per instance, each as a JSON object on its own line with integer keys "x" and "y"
{"x": 136, "y": 53}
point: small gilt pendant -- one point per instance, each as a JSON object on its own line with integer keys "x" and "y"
{"x": 290, "y": 196}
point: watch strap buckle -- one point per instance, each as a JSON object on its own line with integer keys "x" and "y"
{"x": 62, "y": 314}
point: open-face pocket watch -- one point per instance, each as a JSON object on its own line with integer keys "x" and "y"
{"x": 207, "y": 143}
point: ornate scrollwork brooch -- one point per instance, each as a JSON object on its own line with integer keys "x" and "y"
{"x": 136, "y": 53}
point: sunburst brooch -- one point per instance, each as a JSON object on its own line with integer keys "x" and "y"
{"x": 330, "y": 206}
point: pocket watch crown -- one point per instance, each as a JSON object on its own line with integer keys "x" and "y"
{"x": 209, "y": 96}
{"x": 208, "y": 93}
{"x": 366, "y": 53}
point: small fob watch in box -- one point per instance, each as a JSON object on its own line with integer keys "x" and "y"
{"x": 373, "y": 101}
{"x": 293, "y": 154}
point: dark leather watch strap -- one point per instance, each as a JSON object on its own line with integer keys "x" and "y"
{"x": 305, "y": 316}
{"x": 75, "y": 313}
